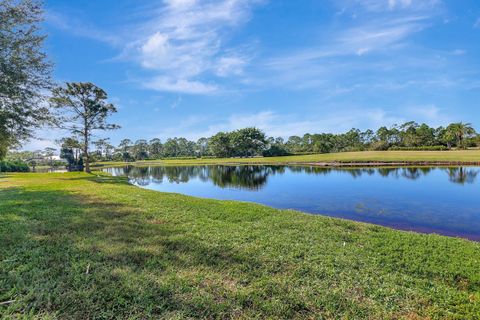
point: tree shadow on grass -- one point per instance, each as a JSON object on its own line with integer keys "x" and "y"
{"x": 81, "y": 257}
{"x": 99, "y": 178}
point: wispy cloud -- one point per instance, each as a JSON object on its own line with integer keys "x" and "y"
{"x": 285, "y": 125}
{"x": 387, "y": 5}
{"x": 346, "y": 51}
{"x": 185, "y": 42}
{"x": 182, "y": 46}
{"x": 430, "y": 114}
{"x": 80, "y": 28}
{"x": 180, "y": 85}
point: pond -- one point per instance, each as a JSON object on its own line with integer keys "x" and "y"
{"x": 431, "y": 200}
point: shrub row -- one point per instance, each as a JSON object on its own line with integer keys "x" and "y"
{"x": 179, "y": 158}
{"x": 423, "y": 148}
{"x": 13, "y": 166}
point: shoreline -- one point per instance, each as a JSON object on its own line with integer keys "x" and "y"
{"x": 326, "y": 164}
{"x": 342, "y": 159}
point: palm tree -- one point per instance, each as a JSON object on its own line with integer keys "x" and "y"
{"x": 459, "y": 131}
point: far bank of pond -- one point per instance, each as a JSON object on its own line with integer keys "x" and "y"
{"x": 444, "y": 200}
{"x": 361, "y": 158}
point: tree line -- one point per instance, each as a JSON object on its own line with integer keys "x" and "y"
{"x": 251, "y": 142}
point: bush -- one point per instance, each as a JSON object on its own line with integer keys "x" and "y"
{"x": 423, "y": 148}
{"x": 14, "y": 166}
{"x": 306, "y": 153}
{"x": 379, "y": 146}
{"x": 179, "y": 158}
{"x": 275, "y": 151}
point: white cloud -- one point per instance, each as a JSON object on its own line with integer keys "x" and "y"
{"x": 340, "y": 54}
{"x": 179, "y": 43}
{"x": 36, "y": 144}
{"x": 186, "y": 42}
{"x": 392, "y": 4}
{"x": 79, "y": 28}
{"x": 458, "y": 52}
{"x": 284, "y": 125}
{"x": 430, "y": 114}
{"x": 388, "y": 5}
{"x": 477, "y": 23}
{"x": 379, "y": 35}
{"x": 176, "y": 103}
{"x": 230, "y": 65}
{"x": 170, "y": 84}
{"x": 44, "y": 138}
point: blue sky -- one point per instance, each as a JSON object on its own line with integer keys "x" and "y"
{"x": 191, "y": 67}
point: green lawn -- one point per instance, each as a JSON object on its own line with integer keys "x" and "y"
{"x": 365, "y": 156}
{"x": 85, "y": 246}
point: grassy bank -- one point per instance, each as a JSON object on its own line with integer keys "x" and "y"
{"x": 366, "y": 156}
{"x": 87, "y": 246}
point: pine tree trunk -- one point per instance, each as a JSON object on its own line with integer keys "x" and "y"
{"x": 85, "y": 150}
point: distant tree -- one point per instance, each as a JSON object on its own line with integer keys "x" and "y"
{"x": 220, "y": 145}
{"x": 32, "y": 163}
{"x": 368, "y": 137}
{"x": 459, "y": 131}
{"x": 170, "y": 148}
{"x": 383, "y": 134}
{"x": 323, "y": 143}
{"x": 294, "y": 144}
{"x": 70, "y": 150}
{"x": 84, "y": 109}
{"x": 201, "y": 149}
{"x": 24, "y": 72}
{"x": 185, "y": 148}
{"x": 425, "y": 135}
{"x": 408, "y": 134}
{"x": 248, "y": 142}
{"x": 155, "y": 148}
{"x": 275, "y": 148}
{"x": 307, "y": 143}
{"x": 48, "y": 154}
{"x": 104, "y": 148}
{"x": 124, "y": 149}
{"x": 351, "y": 140}
{"x": 275, "y": 151}
{"x": 140, "y": 149}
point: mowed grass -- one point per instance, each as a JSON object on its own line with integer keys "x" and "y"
{"x": 364, "y": 156}
{"x": 78, "y": 246}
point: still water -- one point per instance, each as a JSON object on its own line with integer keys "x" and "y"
{"x": 432, "y": 200}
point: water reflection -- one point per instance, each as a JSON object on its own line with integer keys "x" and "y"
{"x": 255, "y": 177}
{"x": 462, "y": 175}
{"x": 440, "y": 200}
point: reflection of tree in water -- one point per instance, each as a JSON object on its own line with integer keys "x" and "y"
{"x": 254, "y": 177}
{"x": 388, "y": 172}
{"x": 243, "y": 177}
{"x": 354, "y": 172}
{"x": 462, "y": 175}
